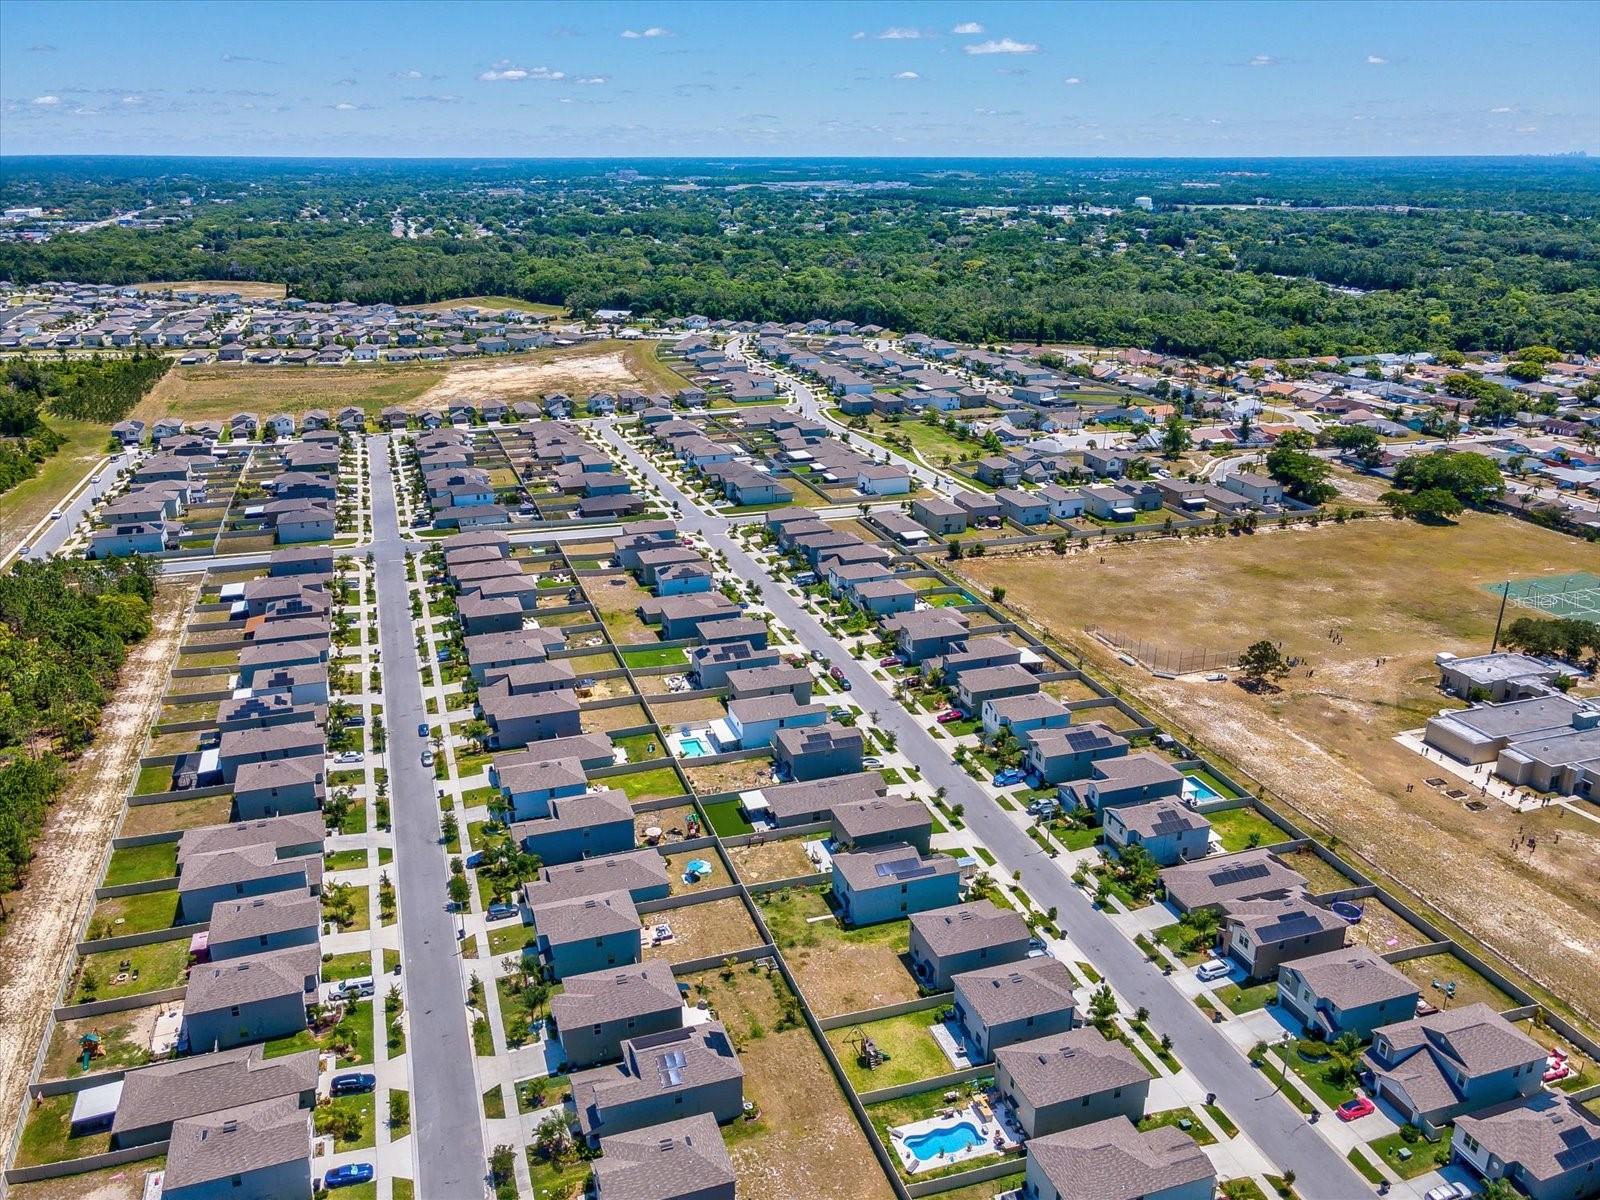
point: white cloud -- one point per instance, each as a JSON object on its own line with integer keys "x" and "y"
{"x": 967, "y": 27}
{"x": 858, "y": 35}
{"x": 1502, "y": 109}
{"x": 1072, "y": 81}
{"x": 408, "y": 74}
{"x": 655, "y": 31}
{"x": 347, "y": 81}
{"x": 1376, "y": 60}
{"x": 504, "y": 72}
{"x": 908, "y": 75}
{"x": 344, "y": 106}
{"x": 47, "y": 101}
{"x": 1527, "y": 129}
{"x": 133, "y": 101}
{"x": 1262, "y": 60}
{"x": 1003, "y": 45}
{"x": 431, "y": 99}
{"x": 900, "y": 33}
{"x": 592, "y": 80}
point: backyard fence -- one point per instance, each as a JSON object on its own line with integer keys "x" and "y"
{"x": 1152, "y": 656}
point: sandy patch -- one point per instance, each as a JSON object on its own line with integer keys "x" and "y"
{"x": 45, "y": 914}
{"x": 526, "y": 380}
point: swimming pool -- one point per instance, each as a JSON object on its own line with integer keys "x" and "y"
{"x": 693, "y": 747}
{"x": 1198, "y": 791}
{"x": 945, "y": 1140}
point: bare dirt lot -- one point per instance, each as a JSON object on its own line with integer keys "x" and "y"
{"x": 804, "y": 1131}
{"x": 220, "y": 287}
{"x": 44, "y": 915}
{"x": 1366, "y": 606}
{"x": 220, "y": 390}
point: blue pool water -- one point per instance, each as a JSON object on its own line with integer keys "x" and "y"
{"x": 947, "y": 1139}
{"x": 1195, "y": 788}
{"x": 693, "y": 747}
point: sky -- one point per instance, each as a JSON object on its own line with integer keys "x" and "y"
{"x": 794, "y": 79}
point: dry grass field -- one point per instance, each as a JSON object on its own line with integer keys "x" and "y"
{"x": 220, "y": 287}
{"x": 1366, "y": 606}
{"x": 218, "y": 391}
{"x": 804, "y": 1131}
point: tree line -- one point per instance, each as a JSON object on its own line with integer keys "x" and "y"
{"x": 65, "y": 629}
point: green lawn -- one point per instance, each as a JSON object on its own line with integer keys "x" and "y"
{"x": 1311, "y": 1063}
{"x": 1223, "y": 1122}
{"x": 47, "y": 1137}
{"x": 149, "y": 969}
{"x": 1174, "y": 937}
{"x": 986, "y": 1191}
{"x": 344, "y": 860}
{"x": 366, "y": 1109}
{"x": 1242, "y": 1000}
{"x": 136, "y": 864}
{"x": 726, "y": 819}
{"x": 557, "y": 1181}
{"x": 906, "y": 1040}
{"x": 1362, "y": 1163}
{"x": 510, "y": 938}
{"x": 654, "y": 656}
{"x": 648, "y": 785}
{"x": 1177, "y": 1117}
{"x": 346, "y": 966}
{"x": 494, "y": 1103}
{"x": 1235, "y": 828}
{"x": 640, "y": 747}
{"x": 152, "y": 780}
{"x": 352, "y": 1038}
{"x": 540, "y": 1092}
{"x": 1410, "y": 1159}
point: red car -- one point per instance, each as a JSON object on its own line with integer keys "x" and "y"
{"x": 1557, "y": 1072}
{"x": 950, "y": 716}
{"x": 894, "y": 660}
{"x": 1354, "y": 1110}
{"x": 836, "y": 672}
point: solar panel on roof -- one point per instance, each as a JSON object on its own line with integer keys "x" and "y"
{"x": 900, "y": 868}
{"x": 1241, "y": 873}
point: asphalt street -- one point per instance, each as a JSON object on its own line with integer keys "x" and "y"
{"x": 448, "y": 1133}
{"x": 1272, "y": 1122}
{"x": 44, "y": 541}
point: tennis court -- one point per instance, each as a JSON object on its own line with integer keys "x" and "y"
{"x": 1576, "y": 594}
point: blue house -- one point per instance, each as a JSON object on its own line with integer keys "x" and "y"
{"x": 587, "y": 933}
{"x": 1171, "y": 832}
{"x": 1349, "y": 990}
{"x": 889, "y": 882}
{"x": 579, "y": 827}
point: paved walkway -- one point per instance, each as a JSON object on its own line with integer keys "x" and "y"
{"x": 448, "y": 1131}
{"x": 1274, "y": 1125}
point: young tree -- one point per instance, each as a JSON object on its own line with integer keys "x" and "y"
{"x": 1262, "y": 662}
{"x": 1175, "y": 437}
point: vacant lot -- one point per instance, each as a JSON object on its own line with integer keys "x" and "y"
{"x": 803, "y": 1131}
{"x": 840, "y": 970}
{"x": 1389, "y": 591}
{"x": 218, "y": 287}
{"x": 705, "y": 930}
{"x": 218, "y": 391}
{"x": 768, "y": 861}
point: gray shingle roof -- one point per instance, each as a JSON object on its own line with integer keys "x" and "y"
{"x": 664, "y": 1162}
{"x": 963, "y": 927}
{"x": 1111, "y": 1160}
{"x": 237, "y": 1141}
{"x": 1546, "y": 1135}
{"x": 1352, "y": 977}
{"x": 616, "y": 993}
{"x": 1010, "y": 992}
{"x": 205, "y": 1083}
{"x": 1069, "y": 1066}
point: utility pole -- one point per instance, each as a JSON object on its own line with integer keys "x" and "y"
{"x": 1505, "y": 591}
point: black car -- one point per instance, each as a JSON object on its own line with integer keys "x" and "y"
{"x": 352, "y": 1084}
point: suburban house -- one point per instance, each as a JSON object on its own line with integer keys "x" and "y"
{"x": 1061, "y": 755}
{"x": 1023, "y": 714}
{"x": 1258, "y": 489}
{"x": 1023, "y": 508}
{"x": 883, "y": 597}
{"x": 1163, "y": 1163}
{"x": 1128, "y": 779}
{"x": 586, "y": 933}
{"x": 662, "y": 1076}
{"x": 1261, "y": 934}
{"x": 946, "y": 942}
{"x": 259, "y": 1151}
{"x": 1349, "y": 990}
{"x": 1547, "y": 1146}
{"x": 578, "y": 827}
{"x": 770, "y": 681}
{"x": 1120, "y": 502}
{"x": 884, "y": 821}
{"x": 641, "y": 874}
{"x": 275, "y": 921}
{"x": 1013, "y": 1002}
{"x": 518, "y": 719}
{"x": 817, "y": 751}
{"x": 1435, "y": 1068}
{"x": 922, "y": 635}
{"x": 974, "y": 687}
{"x": 1169, "y": 831}
{"x": 595, "y": 1013}
{"x": 250, "y": 999}
{"x": 153, "y": 1099}
{"x": 1066, "y": 1080}
{"x": 812, "y": 801}
{"x": 1233, "y": 878}
{"x": 675, "y": 1160}
{"x": 712, "y": 666}
{"x": 938, "y": 515}
{"x": 752, "y": 723}
{"x": 272, "y": 789}
{"x": 887, "y": 882}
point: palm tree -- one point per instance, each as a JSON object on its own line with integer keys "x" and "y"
{"x": 1346, "y": 1049}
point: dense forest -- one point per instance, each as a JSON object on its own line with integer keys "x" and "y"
{"x": 93, "y": 389}
{"x": 65, "y": 629}
{"x": 1237, "y": 259}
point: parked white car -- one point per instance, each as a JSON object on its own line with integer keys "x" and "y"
{"x": 1211, "y": 969}
{"x": 347, "y": 756}
{"x": 1454, "y": 1190}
